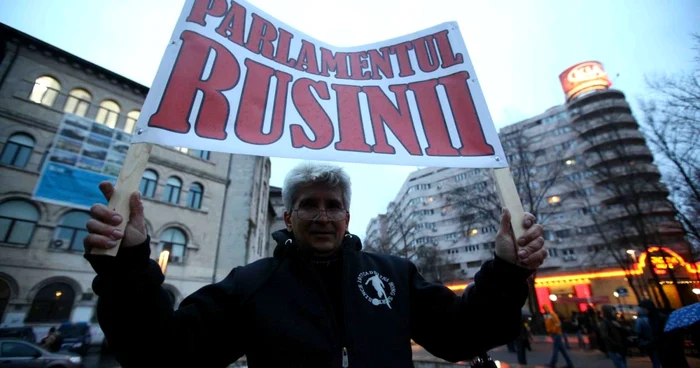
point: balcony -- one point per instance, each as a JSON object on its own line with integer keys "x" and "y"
{"x": 612, "y": 139}
{"x": 626, "y": 153}
{"x": 594, "y": 126}
{"x": 634, "y": 172}
{"x": 597, "y": 96}
{"x": 608, "y": 106}
{"x": 647, "y": 208}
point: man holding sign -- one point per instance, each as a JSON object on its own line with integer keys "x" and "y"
{"x": 234, "y": 79}
{"x": 310, "y": 305}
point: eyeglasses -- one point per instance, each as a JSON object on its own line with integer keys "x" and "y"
{"x": 312, "y": 214}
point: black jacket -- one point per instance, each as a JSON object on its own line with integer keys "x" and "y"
{"x": 276, "y": 313}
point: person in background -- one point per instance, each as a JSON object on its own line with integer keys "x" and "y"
{"x": 613, "y": 337}
{"x": 579, "y": 325}
{"x": 52, "y": 341}
{"x": 564, "y": 328}
{"x": 552, "y": 324}
{"x": 522, "y": 341}
{"x": 649, "y": 333}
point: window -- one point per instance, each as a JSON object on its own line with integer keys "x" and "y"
{"x": 71, "y": 231}
{"x": 473, "y": 264}
{"x": 204, "y": 155}
{"x": 553, "y": 252}
{"x": 554, "y": 200}
{"x": 148, "y": 183}
{"x": 194, "y": 197}
{"x": 172, "y": 190}
{"x": 17, "y": 150}
{"x": 17, "y": 222}
{"x": 563, "y": 233}
{"x": 182, "y": 149}
{"x": 78, "y": 102}
{"x": 549, "y": 235}
{"x": 489, "y": 229}
{"x": 45, "y": 91}
{"x": 473, "y": 231}
{"x": 53, "y": 303}
{"x": 108, "y": 113}
{"x": 131, "y": 118}
{"x": 174, "y": 241}
{"x": 11, "y": 349}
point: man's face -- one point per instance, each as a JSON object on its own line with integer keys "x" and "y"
{"x": 322, "y": 234}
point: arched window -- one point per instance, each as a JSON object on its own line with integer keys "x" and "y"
{"x": 71, "y": 231}
{"x": 108, "y": 114}
{"x": 5, "y": 293}
{"x": 18, "y": 149}
{"x": 17, "y": 222}
{"x": 45, "y": 90}
{"x": 78, "y": 102}
{"x": 172, "y": 190}
{"x": 53, "y": 303}
{"x": 194, "y": 197}
{"x": 131, "y": 118}
{"x": 174, "y": 241}
{"x": 148, "y": 183}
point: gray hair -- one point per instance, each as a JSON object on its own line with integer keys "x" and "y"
{"x": 308, "y": 173}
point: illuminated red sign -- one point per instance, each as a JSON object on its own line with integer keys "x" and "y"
{"x": 584, "y": 77}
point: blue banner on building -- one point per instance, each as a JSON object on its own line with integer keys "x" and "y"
{"x": 84, "y": 153}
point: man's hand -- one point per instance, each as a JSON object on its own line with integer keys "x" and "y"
{"x": 102, "y": 230}
{"x": 528, "y": 251}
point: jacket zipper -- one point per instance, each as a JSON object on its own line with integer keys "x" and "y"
{"x": 319, "y": 285}
{"x": 346, "y": 279}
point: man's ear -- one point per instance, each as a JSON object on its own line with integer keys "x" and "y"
{"x": 288, "y": 220}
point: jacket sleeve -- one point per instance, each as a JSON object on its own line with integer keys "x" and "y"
{"x": 488, "y": 314}
{"x": 141, "y": 327}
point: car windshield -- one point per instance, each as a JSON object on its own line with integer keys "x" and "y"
{"x": 70, "y": 331}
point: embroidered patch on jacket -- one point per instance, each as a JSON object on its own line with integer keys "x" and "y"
{"x": 377, "y": 289}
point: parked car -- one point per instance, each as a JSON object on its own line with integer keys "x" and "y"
{"x": 75, "y": 337}
{"x": 22, "y": 333}
{"x": 20, "y": 353}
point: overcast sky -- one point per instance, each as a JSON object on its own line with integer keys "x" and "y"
{"x": 518, "y": 48}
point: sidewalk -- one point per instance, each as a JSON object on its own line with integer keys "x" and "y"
{"x": 540, "y": 356}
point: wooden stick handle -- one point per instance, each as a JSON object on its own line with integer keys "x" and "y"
{"x": 127, "y": 183}
{"x": 508, "y": 195}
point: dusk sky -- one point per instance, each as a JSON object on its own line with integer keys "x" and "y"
{"x": 518, "y": 49}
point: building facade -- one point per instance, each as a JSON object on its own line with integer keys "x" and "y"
{"x": 209, "y": 210}
{"x": 584, "y": 169}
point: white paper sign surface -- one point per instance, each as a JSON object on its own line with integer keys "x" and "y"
{"x": 234, "y": 79}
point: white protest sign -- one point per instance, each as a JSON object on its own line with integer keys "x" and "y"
{"x": 234, "y": 79}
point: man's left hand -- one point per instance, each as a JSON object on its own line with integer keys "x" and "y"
{"x": 528, "y": 251}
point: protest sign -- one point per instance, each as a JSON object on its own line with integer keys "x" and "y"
{"x": 234, "y": 79}
{"x": 83, "y": 154}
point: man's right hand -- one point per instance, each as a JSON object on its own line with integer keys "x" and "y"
{"x": 102, "y": 227}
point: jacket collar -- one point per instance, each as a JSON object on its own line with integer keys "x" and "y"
{"x": 287, "y": 245}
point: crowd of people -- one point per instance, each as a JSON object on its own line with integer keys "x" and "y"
{"x": 606, "y": 331}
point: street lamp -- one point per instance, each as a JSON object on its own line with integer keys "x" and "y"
{"x": 616, "y": 294}
{"x": 632, "y": 253}
{"x": 553, "y": 297}
{"x": 696, "y": 291}
{"x": 163, "y": 260}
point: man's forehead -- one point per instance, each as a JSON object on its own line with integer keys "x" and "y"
{"x": 319, "y": 192}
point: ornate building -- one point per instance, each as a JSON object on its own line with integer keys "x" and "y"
{"x": 209, "y": 210}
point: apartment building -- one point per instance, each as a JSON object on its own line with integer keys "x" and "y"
{"x": 575, "y": 166}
